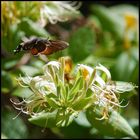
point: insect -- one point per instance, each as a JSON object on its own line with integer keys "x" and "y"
{"x": 41, "y": 46}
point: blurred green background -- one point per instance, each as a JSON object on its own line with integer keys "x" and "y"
{"x": 105, "y": 32}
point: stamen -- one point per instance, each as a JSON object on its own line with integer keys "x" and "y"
{"x": 20, "y": 103}
{"x": 17, "y": 115}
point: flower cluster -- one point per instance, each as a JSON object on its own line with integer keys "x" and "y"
{"x": 42, "y": 11}
{"x": 68, "y": 91}
{"x": 58, "y": 11}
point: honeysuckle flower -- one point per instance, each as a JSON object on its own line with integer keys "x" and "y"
{"x": 86, "y": 71}
{"x": 58, "y": 11}
{"x": 42, "y": 12}
{"x": 52, "y": 91}
{"x": 68, "y": 65}
{"x": 131, "y": 22}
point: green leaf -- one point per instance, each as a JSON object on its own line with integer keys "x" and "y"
{"x": 62, "y": 91}
{"x": 29, "y": 70}
{"x": 64, "y": 118}
{"x": 110, "y": 21}
{"x": 82, "y": 43}
{"x": 14, "y": 37}
{"x": 37, "y": 63}
{"x": 22, "y": 92}
{"x": 10, "y": 64}
{"x": 94, "y": 60}
{"x": 52, "y": 102}
{"x": 8, "y": 82}
{"x": 126, "y": 67}
{"x": 82, "y": 120}
{"x": 107, "y": 41}
{"x": 78, "y": 83}
{"x": 115, "y": 126}
{"x": 82, "y": 103}
{"x": 31, "y": 28}
{"x": 13, "y": 128}
{"x": 45, "y": 119}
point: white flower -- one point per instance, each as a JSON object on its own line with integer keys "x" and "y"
{"x": 58, "y": 11}
{"x": 52, "y": 90}
{"x": 45, "y": 87}
{"x": 105, "y": 70}
{"x": 87, "y": 72}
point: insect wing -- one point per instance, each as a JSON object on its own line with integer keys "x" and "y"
{"x": 58, "y": 45}
{"x": 54, "y": 46}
